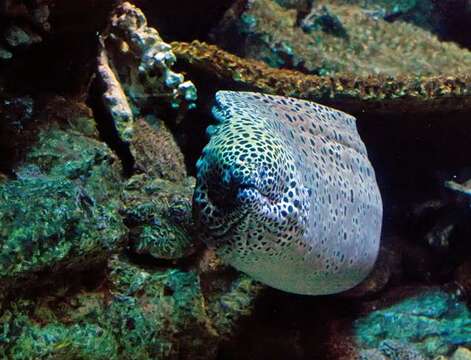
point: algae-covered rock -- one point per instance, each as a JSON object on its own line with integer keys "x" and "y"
{"x": 158, "y": 314}
{"x": 141, "y": 314}
{"x": 351, "y": 93}
{"x": 58, "y": 342}
{"x": 434, "y": 322}
{"x": 26, "y": 20}
{"x": 343, "y": 38}
{"x": 461, "y": 354}
{"x": 135, "y": 70}
{"x": 151, "y": 137}
{"x": 61, "y": 211}
{"x": 392, "y": 350}
{"x": 157, "y": 200}
{"x": 159, "y": 214}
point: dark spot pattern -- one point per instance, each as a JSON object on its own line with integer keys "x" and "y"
{"x": 285, "y": 192}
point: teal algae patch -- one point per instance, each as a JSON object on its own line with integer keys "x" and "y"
{"x": 142, "y": 314}
{"x": 62, "y": 208}
{"x": 159, "y": 215}
{"x": 157, "y": 314}
{"x": 434, "y": 322}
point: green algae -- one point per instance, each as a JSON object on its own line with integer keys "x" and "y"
{"x": 141, "y": 313}
{"x": 62, "y": 209}
{"x": 159, "y": 215}
{"x": 367, "y": 44}
{"x": 226, "y": 307}
{"x": 434, "y": 322}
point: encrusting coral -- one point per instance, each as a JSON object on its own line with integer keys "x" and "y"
{"x": 338, "y": 38}
{"x": 134, "y": 66}
{"x": 433, "y": 322}
{"x": 61, "y": 211}
{"x": 374, "y": 93}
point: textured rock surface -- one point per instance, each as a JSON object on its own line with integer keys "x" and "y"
{"x": 159, "y": 214}
{"x": 461, "y": 354}
{"x": 19, "y": 34}
{"x": 345, "y": 40}
{"x": 434, "y": 322}
{"x": 97, "y": 265}
{"x": 61, "y": 211}
{"x": 134, "y": 68}
{"x": 140, "y": 314}
{"x": 401, "y": 94}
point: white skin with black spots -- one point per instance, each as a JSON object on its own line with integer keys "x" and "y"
{"x": 285, "y": 193}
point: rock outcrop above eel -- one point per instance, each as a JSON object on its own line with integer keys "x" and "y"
{"x": 353, "y": 94}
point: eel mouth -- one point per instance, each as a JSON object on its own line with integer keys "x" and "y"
{"x": 221, "y": 231}
{"x": 237, "y": 207}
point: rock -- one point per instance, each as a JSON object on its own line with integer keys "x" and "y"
{"x": 461, "y": 354}
{"x": 151, "y": 135}
{"x": 392, "y": 350}
{"x": 51, "y": 44}
{"x": 371, "y": 354}
{"x": 320, "y": 18}
{"x": 61, "y": 211}
{"x": 27, "y": 20}
{"x": 146, "y": 314}
{"x": 158, "y": 199}
{"x": 433, "y": 321}
{"x": 16, "y": 36}
{"x": 268, "y": 32}
{"x": 463, "y": 279}
{"x": 114, "y": 99}
{"x": 464, "y": 188}
{"x": 397, "y": 350}
{"x": 299, "y": 5}
{"x": 353, "y": 94}
{"x": 5, "y": 54}
{"x": 17, "y": 111}
{"x": 159, "y": 214}
{"x": 134, "y": 69}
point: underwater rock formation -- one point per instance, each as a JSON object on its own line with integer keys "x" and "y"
{"x": 66, "y": 209}
{"x": 61, "y": 211}
{"x": 19, "y": 34}
{"x": 402, "y": 94}
{"x": 337, "y": 39}
{"x": 392, "y": 350}
{"x": 434, "y": 322}
{"x": 134, "y": 70}
{"x": 140, "y": 313}
{"x": 461, "y": 354}
{"x": 101, "y": 263}
{"x": 158, "y": 212}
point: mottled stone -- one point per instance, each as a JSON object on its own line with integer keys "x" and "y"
{"x": 135, "y": 70}
{"x": 16, "y": 36}
{"x": 434, "y": 322}
{"x": 158, "y": 213}
{"x": 354, "y": 94}
{"x": 61, "y": 211}
{"x": 139, "y": 314}
{"x": 151, "y": 136}
{"x": 462, "y": 277}
{"x": 344, "y": 31}
{"x": 461, "y": 354}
